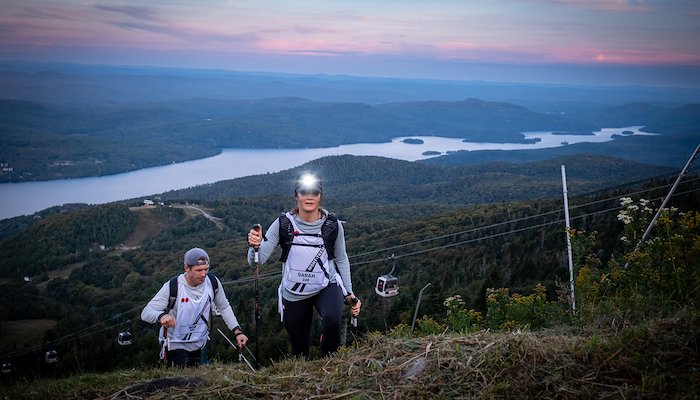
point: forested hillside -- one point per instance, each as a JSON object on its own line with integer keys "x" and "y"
{"x": 44, "y": 141}
{"x": 384, "y": 180}
{"x": 462, "y": 241}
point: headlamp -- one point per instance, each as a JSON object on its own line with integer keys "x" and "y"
{"x": 308, "y": 182}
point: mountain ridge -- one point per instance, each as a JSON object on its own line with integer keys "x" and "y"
{"x": 43, "y": 142}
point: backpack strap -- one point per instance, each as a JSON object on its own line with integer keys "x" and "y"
{"x": 214, "y": 283}
{"x": 286, "y": 233}
{"x": 329, "y": 233}
{"x": 173, "y": 294}
{"x": 173, "y": 290}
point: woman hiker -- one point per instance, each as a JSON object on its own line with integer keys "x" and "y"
{"x": 315, "y": 270}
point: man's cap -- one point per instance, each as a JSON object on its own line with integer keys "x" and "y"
{"x": 308, "y": 181}
{"x": 196, "y": 256}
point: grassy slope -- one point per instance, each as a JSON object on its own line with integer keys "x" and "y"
{"x": 149, "y": 225}
{"x": 658, "y": 359}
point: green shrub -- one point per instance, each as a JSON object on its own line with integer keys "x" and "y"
{"x": 459, "y": 319}
{"x": 656, "y": 277}
{"x": 428, "y": 326}
{"x": 509, "y": 312}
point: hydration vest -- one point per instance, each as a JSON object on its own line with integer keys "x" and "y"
{"x": 306, "y": 255}
{"x": 329, "y": 233}
{"x": 173, "y": 290}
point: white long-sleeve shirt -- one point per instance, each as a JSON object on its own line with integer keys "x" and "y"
{"x": 157, "y": 305}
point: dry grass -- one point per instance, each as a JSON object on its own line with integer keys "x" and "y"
{"x": 656, "y": 360}
{"x": 149, "y": 225}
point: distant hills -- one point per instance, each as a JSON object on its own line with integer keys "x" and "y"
{"x": 44, "y": 141}
{"x": 75, "y": 84}
{"x": 352, "y": 180}
{"x": 355, "y": 179}
{"x": 65, "y": 121}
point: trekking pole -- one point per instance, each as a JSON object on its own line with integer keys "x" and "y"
{"x": 165, "y": 346}
{"x": 353, "y": 319}
{"x": 257, "y": 228}
{"x": 241, "y": 357}
{"x": 353, "y": 301}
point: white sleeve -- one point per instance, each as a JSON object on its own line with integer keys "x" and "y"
{"x": 341, "y": 259}
{"x": 157, "y": 305}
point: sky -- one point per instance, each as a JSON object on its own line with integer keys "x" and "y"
{"x": 605, "y": 42}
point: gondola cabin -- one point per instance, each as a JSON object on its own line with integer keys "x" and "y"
{"x": 387, "y": 286}
{"x": 50, "y": 357}
{"x": 125, "y": 338}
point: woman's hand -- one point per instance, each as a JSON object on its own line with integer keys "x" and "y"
{"x": 255, "y": 237}
{"x": 355, "y": 303}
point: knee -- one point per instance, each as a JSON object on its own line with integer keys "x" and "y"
{"x": 332, "y": 322}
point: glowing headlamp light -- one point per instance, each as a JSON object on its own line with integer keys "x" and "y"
{"x": 308, "y": 181}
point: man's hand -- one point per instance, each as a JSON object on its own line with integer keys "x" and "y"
{"x": 241, "y": 339}
{"x": 167, "y": 321}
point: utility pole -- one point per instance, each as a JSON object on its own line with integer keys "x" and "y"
{"x": 668, "y": 196}
{"x": 415, "y": 314}
{"x": 568, "y": 238}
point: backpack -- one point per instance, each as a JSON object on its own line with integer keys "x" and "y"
{"x": 329, "y": 233}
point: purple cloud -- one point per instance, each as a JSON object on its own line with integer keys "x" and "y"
{"x": 143, "y": 13}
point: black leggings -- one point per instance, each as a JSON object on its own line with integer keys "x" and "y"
{"x": 183, "y": 358}
{"x": 298, "y": 316}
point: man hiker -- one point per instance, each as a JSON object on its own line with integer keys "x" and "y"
{"x": 183, "y": 308}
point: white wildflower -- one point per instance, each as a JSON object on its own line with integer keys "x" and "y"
{"x": 624, "y": 201}
{"x": 625, "y": 217}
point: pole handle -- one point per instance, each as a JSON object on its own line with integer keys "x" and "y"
{"x": 353, "y": 319}
{"x": 257, "y": 228}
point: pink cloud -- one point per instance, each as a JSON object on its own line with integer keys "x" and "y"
{"x": 627, "y": 56}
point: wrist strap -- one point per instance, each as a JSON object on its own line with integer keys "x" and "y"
{"x": 239, "y": 334}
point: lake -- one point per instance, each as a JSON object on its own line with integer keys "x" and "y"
{"x": 27, "y": 198}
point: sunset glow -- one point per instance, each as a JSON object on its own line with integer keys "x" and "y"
{"x": 316, "y": 36}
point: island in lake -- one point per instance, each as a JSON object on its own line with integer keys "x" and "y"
{"x": 622, "y": 134}
{"x": 431, "y": 153}
{"x": 413, "y": 141}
